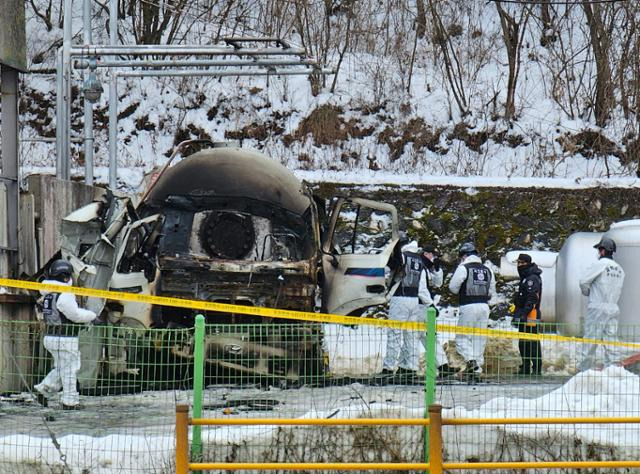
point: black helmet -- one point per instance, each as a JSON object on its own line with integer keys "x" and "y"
{"x": 60, "y": 268}
{"x": 607, "y": 244}
{"x": 467, "y": 248}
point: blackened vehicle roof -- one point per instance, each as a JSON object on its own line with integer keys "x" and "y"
{"x": 231, "y": 172}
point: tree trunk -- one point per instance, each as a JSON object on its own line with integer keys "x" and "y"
{"x": 600, "y": 44}
{"x": 421, "y": 19}
{"x": 512, "y": 35}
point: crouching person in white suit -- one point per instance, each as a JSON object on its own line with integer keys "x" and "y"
{"x": 63, "y": 319}
{"x": 402, "y": 353}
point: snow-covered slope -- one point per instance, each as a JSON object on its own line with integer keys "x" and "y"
{"x": 399, "y": 105}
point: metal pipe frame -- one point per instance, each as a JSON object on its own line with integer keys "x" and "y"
{"x": 182, "y": 50}
{"x": 84, "y": 64}
{"x": 65, "y": 170}
{"x": 88, "y": 106}
{"x": 49, "y": 140}
{"x": 310, "y": 421}
{"x": 60, "y": 113}
{"x": 231, "y": 72}
{"x": 69, "y": 51}
{"x": 310, "y": 466}
{"x": 434, "y": 466}
{"x": 113, "y": 100}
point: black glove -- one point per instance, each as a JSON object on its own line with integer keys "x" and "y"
{"x": 436, "y": 264}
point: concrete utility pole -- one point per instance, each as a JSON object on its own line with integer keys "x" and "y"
{"x": 12, "y": 59}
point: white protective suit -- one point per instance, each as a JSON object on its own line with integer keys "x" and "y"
{"x": 435, "y": 279}
{"x": 402, "y": 346}
{"x": 65, "y": 351}
{"x": 474, "y": 315}
{"x": 602, "y": 283}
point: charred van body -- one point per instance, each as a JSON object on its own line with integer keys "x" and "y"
{"x": 229, "y": 225}
{"x": 238, "y": 228}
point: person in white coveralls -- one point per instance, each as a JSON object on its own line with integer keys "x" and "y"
{"x": 602, "y": 284}
{"x": 402, "y": 353}
{"x": 475, "y": 285}
{"x": 63, "y": 319}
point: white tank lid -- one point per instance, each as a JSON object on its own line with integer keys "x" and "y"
{"x": 542, "y": 258}
{"x": 625, "y": 224}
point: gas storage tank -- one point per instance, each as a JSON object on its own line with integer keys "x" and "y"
{"x": 575, "y": 256}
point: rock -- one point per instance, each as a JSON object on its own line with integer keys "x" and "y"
{"x": 442, "y": 202}
{"x": 501, "y": 356}
{"x": 436, "y": 225}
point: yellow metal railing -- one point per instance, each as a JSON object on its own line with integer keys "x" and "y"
{"x": 435, "y": 423}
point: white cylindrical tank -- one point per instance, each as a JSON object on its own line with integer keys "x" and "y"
{"x": 575, "y": 256}
{"x": 546, "y": 261}
{"x": 626, "y": 235}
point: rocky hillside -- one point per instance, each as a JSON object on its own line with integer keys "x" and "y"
{"x": 499, "y": 219}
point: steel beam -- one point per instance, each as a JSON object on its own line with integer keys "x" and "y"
{"x": 113, "y": 100}
{"x": 231, "y": 72}
{"x": 84, "y": 64}
{"x": 181, "y": 50}
{"x": 88, "y": 106}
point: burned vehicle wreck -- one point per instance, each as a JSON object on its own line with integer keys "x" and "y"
{"x": 230, "y": 225}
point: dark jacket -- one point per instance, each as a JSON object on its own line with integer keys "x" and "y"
{"x": 529, "y": 295}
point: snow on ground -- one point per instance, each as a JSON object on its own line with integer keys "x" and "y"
{"x": 131, "y": 180}
{"x": 612, "y": 392}
{"x": 359, "y": 350}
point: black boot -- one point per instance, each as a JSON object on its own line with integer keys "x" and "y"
{"x": 42, "y": 400}
{"x": 472, "y": 372}
{"x": 72, "y": 407}
{"x": 385, "y": 373}
{"x": 383, "y": 378}
{"x": 445, "y": 370}
{"x": 472, "y": 367}
{"x": 405, "y": 376}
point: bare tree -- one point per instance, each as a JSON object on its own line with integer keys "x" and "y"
{"x": 451, "y": 63}
{"x": 421, "y": 19}
{"x": 628, "y": 67}
{"x": 325, "y": 30}
{"x": 513, "y": 30}
{"x": 45, "y": 14}
{"x": 601, "y": 21}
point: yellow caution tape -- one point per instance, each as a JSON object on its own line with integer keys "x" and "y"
{"x": 296, "y": 315}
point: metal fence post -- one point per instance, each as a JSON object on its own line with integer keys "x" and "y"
{"x": 429, "y": 371}
{"x": 435, "y": 439}
{"x": 182, "y": 439}
{"x": 198, "y": 379}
